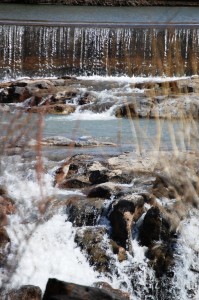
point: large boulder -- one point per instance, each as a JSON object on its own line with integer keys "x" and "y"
{"x": 60, "y": 290}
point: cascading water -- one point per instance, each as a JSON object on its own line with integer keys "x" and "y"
{"x": 46, "y": 51}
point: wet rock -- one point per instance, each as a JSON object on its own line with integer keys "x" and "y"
{"x": 163, "y": 187}
{"x": 116, "y": 292}
{"x": 64, "y": 96}
{"x": 84, "y": 212}
{"x": 97, "y": 107}
{"x": 91, "y": 240}
{"x": 121, "y": 223}
{"x": 53, "y": 109}
{"x": 154, "y": 228}
{"x": 7, "y": 207}
{"x": 3, "y": 190}
{"x": 4, "y": 238}
{"x": 74, "y": 183}
{"x": 26, "y": 292}
{"x": 103, "y": 190}
{"x": 85, "y": 99}
{"x": 127, "y": 111}
{"x": 161, "y": 258}
{"x": 119, "y": 250}
{"x": 121, "y": 177}
{"x": 98, "y": 176}
{"x": 156, "y": 233}
{"x": 60, "y": 290}
{"x": 74, "y": 166}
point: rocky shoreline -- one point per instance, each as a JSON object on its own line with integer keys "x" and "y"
{"x": 108, "y": 2}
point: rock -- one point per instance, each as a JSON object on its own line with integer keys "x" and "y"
{"x": 84, "y": 212}
{"x": 3, "y": 190}
{"x": 161, "y": 258}
{"x": 163, "y": 187}
{"x": 103, "y": 190}
{"x": 57, "y": 141}
{"x": 87, "y": 143}
{"x": 4, "y": 238}
{"x": 156, "y": 233}
{"x": 116, "y": 292}
{"x": 53, "y": 109}
{"x": 74, "y": 183}
{"x": 154, "y": 227}
{"x": 91, "y": 240}
{"x": 98, "y": 176}
{"x": 7, "y": 205}
{"x": 97, "y": 107}
{"x": 60, "y": 290}
{"x": 74, "y": 166}
{"x": 120, "y": 251}
{"x": 26, "y": 292}
{"x": 127, "y": 110}
{"x": 85, "y": 99}
{"x": 121, "y": 219}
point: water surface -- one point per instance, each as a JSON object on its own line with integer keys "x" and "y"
{"x": 112, "y": 15}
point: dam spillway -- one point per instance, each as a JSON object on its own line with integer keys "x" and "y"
{"x": 27, "y": 50}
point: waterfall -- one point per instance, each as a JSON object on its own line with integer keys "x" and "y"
{"x": 61, "y": 50}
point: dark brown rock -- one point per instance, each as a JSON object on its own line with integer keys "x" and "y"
{"x": 119, "y": 223}
{"x": 154, "y": 227}
{"x": 98, "y": 176}
{"x": 100, "y": 191}
{"x": 156, "y": 233}
{"x": 60, "y": 290}
{"x": 4, "y": 238}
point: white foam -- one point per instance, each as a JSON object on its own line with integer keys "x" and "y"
{"x": 50, "y": 252}
{"x": 134, "y": 79}
{"x": 186, "y": 279}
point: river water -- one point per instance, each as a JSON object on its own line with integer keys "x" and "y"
{"x": 136, "y": 43}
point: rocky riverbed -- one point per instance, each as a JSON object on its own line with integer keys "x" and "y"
{"x": 174, "y": 99}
